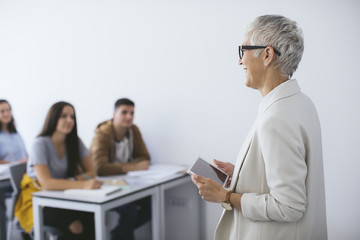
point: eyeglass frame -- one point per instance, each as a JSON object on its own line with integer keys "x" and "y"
{"x": 242, "y": 48}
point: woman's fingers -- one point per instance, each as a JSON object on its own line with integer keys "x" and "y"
{"x": 218, "y": 163}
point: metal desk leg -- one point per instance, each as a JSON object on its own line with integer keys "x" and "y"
{"x": 2, "y": 215}
{"x": 100, "y": 223}
{"x": 38, "y": 220}
{"x": 155, "y": 214}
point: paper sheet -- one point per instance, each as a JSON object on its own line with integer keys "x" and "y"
{"x": 158, "y": 171}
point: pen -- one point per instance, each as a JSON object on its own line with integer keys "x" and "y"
{"x": 86, "y": 176}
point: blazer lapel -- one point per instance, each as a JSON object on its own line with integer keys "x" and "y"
{"x": 242, "y": 154}
{"x": 284, "y": 90}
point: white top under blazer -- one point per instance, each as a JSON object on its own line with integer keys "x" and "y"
{"x": 280, "y": 171}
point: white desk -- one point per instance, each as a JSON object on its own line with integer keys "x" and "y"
{"x": 100, "y": 205}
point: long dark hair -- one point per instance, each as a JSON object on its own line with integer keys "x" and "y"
{"x": 72, "y": 139}
{"x": 11, "y": 125}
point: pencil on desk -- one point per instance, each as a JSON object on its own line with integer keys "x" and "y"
{"x": 86, "y": 176}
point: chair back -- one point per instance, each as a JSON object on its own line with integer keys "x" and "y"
{"x": 16, "y": 174}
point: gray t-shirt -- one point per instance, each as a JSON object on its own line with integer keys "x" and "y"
{"x": 44, "y": 153}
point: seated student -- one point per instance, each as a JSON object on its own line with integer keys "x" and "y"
{"x": 117, "y": 148}
{"x": 58, "y": 155}
{"x": 12, "y": 148}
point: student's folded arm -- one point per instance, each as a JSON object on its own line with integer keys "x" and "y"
{"x": 49, "y": 183}
{"x": 122, "y": 168}
{"x": 3, "y": 162}
{"x": 23, "y": 160}
{"x": 114, "y": 169}
{"x": 88, "y": 169}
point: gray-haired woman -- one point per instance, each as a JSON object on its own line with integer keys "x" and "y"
{"x": 277, "y": 188}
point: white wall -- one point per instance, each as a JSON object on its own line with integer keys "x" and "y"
{"x": 178, "y": 61}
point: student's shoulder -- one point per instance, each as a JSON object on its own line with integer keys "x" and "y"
{"x": 42, "y": 140}
{"x": 105, "y": 127}
{"x": 135, "y": 128}
{"x": 104, "y": 132}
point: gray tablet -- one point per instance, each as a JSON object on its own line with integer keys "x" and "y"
{"x": 205, "y": 169}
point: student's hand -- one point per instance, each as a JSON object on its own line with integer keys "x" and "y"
{"x": 209, "y": 189}
{"x": 142, "y": 165}
{"x": 92, "y": 184}
{"x": 22, "y": 160}
{"x": 227, "y": 168}
{"x": 85, "y": 176}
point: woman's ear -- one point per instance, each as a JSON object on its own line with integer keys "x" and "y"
{"x": 268, "y": 56}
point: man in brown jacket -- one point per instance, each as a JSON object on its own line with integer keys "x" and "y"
{"x": 117, "y": 148}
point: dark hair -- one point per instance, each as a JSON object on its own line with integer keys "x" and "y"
{"x": 124, "y": 101}
{"x": 72, "y": 139}
{"x": 11, "y": 126}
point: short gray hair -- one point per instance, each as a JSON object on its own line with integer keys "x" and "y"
{"x": 282, "y": 34}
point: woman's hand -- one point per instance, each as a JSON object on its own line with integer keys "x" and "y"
{"x": 92, "y": 184}
{"x": 209, "y": 189}
{"x": 227, "y": 168}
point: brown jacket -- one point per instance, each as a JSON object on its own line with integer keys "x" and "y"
{"x": 103, "y": 149}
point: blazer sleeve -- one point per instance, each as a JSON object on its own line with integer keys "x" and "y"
{"x": 283, "y": 150}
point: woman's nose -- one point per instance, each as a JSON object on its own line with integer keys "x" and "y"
{"x": 240, "y": 62}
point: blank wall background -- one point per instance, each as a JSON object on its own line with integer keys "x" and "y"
{"x": 178, "y": 61}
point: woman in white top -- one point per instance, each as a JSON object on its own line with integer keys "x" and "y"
{"x": 277, "y": 189}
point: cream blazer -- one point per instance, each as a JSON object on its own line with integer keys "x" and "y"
{"x": 279, "y": 170}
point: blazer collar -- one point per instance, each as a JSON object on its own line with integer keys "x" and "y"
{"x": 286, "y": 89}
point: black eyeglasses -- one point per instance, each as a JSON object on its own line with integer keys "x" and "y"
{"x": 242, "y": 48}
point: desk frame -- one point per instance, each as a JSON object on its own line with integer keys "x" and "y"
{"x": 4, "y": 183}
{"x": 155, "y": 191}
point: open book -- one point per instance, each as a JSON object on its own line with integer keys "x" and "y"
{"x": 105, "y": 190}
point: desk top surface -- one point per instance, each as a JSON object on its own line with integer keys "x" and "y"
{"x": 136, "y": 183}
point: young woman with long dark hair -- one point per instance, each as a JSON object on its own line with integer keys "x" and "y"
{"x": 58, "y": 158}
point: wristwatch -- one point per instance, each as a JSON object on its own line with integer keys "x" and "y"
{"x": 226, "y": 204}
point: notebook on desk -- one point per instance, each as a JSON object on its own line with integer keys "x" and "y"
{"x": 104, "y": 191}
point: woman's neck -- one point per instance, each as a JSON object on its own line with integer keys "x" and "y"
{"x": 273, "y": 78}
{"x": 58, "y": 138}
{"x": 5, "y": 128}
